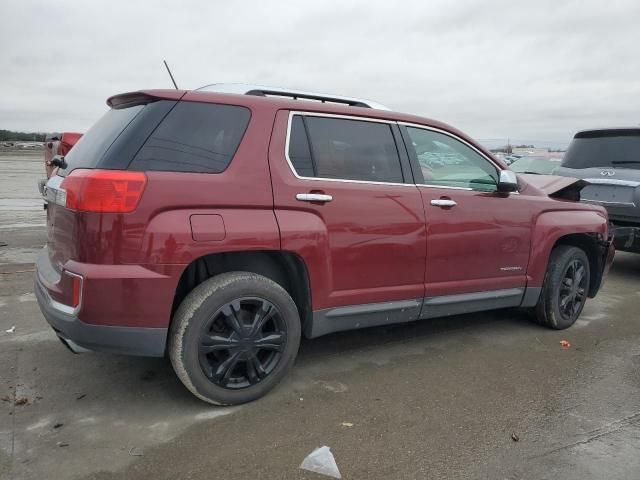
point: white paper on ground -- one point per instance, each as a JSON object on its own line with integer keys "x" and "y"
{"x": 321, "y": 461}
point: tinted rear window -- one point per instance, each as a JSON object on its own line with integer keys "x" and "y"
{"x": 93, "y": 144}
{"x": 619, "y": 151}
{"x": 194, "y": 137}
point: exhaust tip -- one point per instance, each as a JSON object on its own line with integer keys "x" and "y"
{"x": 72, "y": 346}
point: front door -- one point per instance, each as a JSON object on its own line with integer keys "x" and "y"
{"x": 478, "y": 240}
{"x": 345, "y": 202}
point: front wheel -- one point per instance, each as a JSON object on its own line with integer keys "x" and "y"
{"x": 565, "y": 288}
{"x": 234, "y": 337}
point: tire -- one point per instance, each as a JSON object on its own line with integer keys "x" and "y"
{"x": 234, "y": 337}
{"x": 555, "y": 309}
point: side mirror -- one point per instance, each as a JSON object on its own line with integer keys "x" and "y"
{"x": 508, "y": 181}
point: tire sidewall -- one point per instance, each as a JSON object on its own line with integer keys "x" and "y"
{"x": 200, "y": 304}
{"x": 557, "y": 267}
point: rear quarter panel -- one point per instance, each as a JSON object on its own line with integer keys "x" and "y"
{"x": 158, "y": 235}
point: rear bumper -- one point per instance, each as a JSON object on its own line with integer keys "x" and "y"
{"x": 79, "y": 335}
{"x": 626, "y": 239}
{"x": 73, "y": 332}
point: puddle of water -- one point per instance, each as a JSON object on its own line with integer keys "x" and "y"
{"x": 15, "y": 226}
{"x": 18, "y": 255}
{"x": 8, "y": 204}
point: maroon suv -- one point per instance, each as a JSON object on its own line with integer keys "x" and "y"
{"x": 219, "y": 227}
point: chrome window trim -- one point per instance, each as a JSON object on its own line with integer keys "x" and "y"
{"x": 461, "y": 140}
{"x": 292, "y": 113}
{"x": 447, "y": 187}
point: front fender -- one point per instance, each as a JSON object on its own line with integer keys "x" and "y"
{"x": 550, "y": 227}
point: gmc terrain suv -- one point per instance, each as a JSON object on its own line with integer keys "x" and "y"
{"x": 217, "y": 228}
{"x": 609, "y": 160}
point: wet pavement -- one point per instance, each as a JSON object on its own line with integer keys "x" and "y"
{"x": 442, "y": 398}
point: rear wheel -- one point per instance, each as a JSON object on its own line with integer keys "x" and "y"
{"x": 234, "y": 337}
{"x": 565, "y": 288}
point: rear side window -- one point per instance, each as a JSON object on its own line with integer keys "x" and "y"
{"x": 93, "y": 144}
{"x": 194, "y": 137}
{"x": 338, "y": 148}
{"x": 299, "y": 151}
{"x": 604, "y": 149}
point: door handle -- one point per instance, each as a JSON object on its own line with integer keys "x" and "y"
{"x": 443, "y": 202}
{"x": 313, "y": 197}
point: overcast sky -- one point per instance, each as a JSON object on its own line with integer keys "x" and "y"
{"x": 531, "y": 71}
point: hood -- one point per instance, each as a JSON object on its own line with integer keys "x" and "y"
{"x": 556, "y": 187}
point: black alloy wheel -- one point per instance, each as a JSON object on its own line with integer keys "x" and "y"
{"x": 573, "y": 289}
{"x": 242, "y": 342}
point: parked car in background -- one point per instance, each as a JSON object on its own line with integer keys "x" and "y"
{"x": 535, "y": 165}
{"x": 509, "y": 159}
{"x": 218, "y": 228}
{"x": 609, "y": 160}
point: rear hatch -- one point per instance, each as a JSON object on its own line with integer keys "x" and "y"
{"x": 609, "y": 160}
{"x": 109, "y": 145}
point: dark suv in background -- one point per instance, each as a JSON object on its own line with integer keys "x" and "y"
{"x": 609, "y": 160}
{"x": 220, "y": 227}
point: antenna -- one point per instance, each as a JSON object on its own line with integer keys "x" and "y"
{"x": 172, "y": 79}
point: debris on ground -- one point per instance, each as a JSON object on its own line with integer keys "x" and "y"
{"x": 347, "y": 424}
{"x": 11, "y": 330}
{"x": 3, "y": 244}
{"x": 22, "y": 401}
{"x": 565, "y": 344}
{"x": 321, "y": 461}
{"x": 62, "y": 444}
{"x": 58, "y": 425}
{"x": 136, "y": 452}
{"x": 81, "y": 396}
{"x": 515, "y": 437}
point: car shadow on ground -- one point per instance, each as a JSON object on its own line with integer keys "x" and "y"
{"x": 154, "y": 379}
{"x": 627, "y": 266}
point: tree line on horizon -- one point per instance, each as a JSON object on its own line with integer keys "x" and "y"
{"x": 10, "y": 135}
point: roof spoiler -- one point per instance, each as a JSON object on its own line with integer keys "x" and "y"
{"x": 142, "y": 97}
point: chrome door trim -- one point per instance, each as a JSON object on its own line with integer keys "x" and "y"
{"x": 443, "y": 202}
{"x": 313, "y": 197}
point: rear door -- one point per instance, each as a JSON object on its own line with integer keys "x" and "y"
{"x": 478, "y": 240}
{"x": 346, "y": 203}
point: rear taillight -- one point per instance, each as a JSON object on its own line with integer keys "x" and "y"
{"x": 111, "y": 191}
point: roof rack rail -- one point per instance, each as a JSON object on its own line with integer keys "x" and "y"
{"x": 264, "y": 91}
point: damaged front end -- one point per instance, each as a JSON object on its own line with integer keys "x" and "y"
{"x": 562, "y": 188}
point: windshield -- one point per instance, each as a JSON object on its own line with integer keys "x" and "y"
{"x": 539, "y": 165}
{"x": 620, "y": 151}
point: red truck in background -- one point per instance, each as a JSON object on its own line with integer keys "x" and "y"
{"x": 58, "y": 144}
